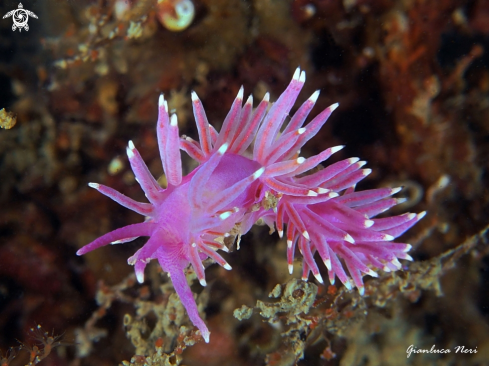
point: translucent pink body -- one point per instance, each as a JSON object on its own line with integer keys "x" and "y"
{"x": 231, "y": 188}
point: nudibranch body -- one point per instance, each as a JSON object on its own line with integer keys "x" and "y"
{"x": 175, "y": 15}
{"x": 252, "y": 158}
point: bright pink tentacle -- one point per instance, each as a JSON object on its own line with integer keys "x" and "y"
{"x": 367, "y": 197}
{"x": 276, "y": 116}
{"x": 363, "y": 235}
{"x": 192, "y": 148}
{"x": 324, "y": 175}
{"x": 296, "y": 220}
{"x": 331, "y": 230}
{"x": 247, "y": 135}
{"x": 174, "y": 160}
{"x": 391, "y": 222}
{"x": 129, "y": 231}
{"x": 202, "y": 124}
{"x": 215, "y": 256}
{"x": 308, "y": 256}
{"x": 338, "y": 212}
{"x": 244, "y": 120}
{"x": 187, "y": 298}
{"x": 144, "y": 177}
{"x": 162, "y": 129}
{"x": 281, "y": 145}
{"x": 283, "y": 167}
{"x": 293, "y": 190}
{"x": 300, "y": 116}
{"x": 214, "y": 135}
{"x": 313, "y": 161}
{"x": 376, "y": 208}
{"x": 347, "y": 180}
{"x": 292, "y": 237}
{"x": 141, "y": 208}
{"x": 400, "y": 229}
{"x": 337, "y": 268}
{"x": 312, "y": 129}
{"x": 196, "y": 263}
{"x": 230, "y": 124}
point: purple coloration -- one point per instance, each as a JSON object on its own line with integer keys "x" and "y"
{"x": 322, "y": 211}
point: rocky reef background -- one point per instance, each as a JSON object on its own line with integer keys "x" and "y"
{"x": 412, "y": 80}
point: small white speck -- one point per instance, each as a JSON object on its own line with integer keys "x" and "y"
{"x": 173, "y": 120}
{"x": 225, "y": 215}
{"x": 305, "y": 234}
{"x": 312, "y": 193}
{"x": 302, "y": 78}
{"x": 301, "y": 160}
{"x": 131, "y": 145}
{"x": 349, "y": 239}
{"x": 289, "y": 243}
{"x": 203, "y": 282}
{"x": 300, "y": 131}
{"x": 321, "y": 190}
{"x": 258, "y": 173}
{"x": 369, "y": 223}
{"x": 421, "y": 215}
{"x": 223, "y": 148}
{"x": 388, "y": 237}
{"x": 227, "y": 267}
{"x": 291, "y": 268}
{"x": 396, "y": 190}
{"x": 327, "y": 263}
{"x": 240, "y": 93}
{"x": 266, "y": 98}
{"x": 195, "y": 98}
{"x": 94, "y": 185}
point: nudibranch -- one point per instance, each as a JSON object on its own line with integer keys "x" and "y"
{"x": 175, "y": 15}
{"x": 252, "y": 158}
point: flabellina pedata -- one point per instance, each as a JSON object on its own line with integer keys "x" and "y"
{"x": 251, "y": 169}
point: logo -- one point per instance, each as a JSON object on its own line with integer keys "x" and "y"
{"x": 20, "y": 17}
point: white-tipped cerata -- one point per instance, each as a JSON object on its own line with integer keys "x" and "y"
{"x": 94, "y": 185}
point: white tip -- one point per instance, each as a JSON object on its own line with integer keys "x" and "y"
{"x": 327, "y": 263}
{"x": 301, "y": 130}
{"x": 361, "y": 290}
{"x": 408, "y": 257}
{"x": 302, "y": 78}
{"x": 361, "y": 163}
{"x": 280, "y": 233}
{"x": 140, "y": 276}
{"x": 318, "y": 277}
{"x": 333, "y": 195}
{"x": 421, "y": 215}
{"x": 131, "y": 145}
{"x": 332, "y": 107}
{"x": 173, "y": 120}
{"x": 335, "y": 149}
{"x": 194, "y": 245}
{"x": 94, "y": 185}
{"x": 348, "y": 285}
{"x": 291, "y": 268}
{"x": 411, "y": 216}
{"x": 396, "y": 263}
{"x": 369, "y": 223}
{"x": 249, "y": 100}
{"x": 366, "y": 172}
{"x": 223, "y": 148}
{"x": 289, "y": 243}
{"x": 349, "y": 239}
{"x": 321, "y": 190}
{"x": 386, "y": 269}
{"x": 227, "y": 235}
{"x": 332, "y": 280}
{"x": 400, "y": 200}
{"x": 300, "y": 160}
{"x": 203, "y": 282}
{"x": 306, "y": 235}
{"x": 194, "y": 96}
{"x": 224, "y": 249}
{"x": 274, "y": 209}
{"x": 225, "y": 215}
{"x": 240, "y": 93}
{"x": 353, "y": 160}
{"x": 312, "y": 193}
{"x": 266, "y": 98}
{"x": 314, "y": 97}
{"x": 296, "y": 74}
{"x": 408, "y": 248}
{"x": 372, "y": 273}
{"x": 130, "y": 154}
{"x": 227, "y": 267}
{"x": 161, "y": 101}
{"x": 388, "y": 237}
{"x": 258, "y": 173}
{"x": 396, "y": 190}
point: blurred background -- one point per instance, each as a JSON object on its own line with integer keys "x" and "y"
{"x": 412, "y": 81}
